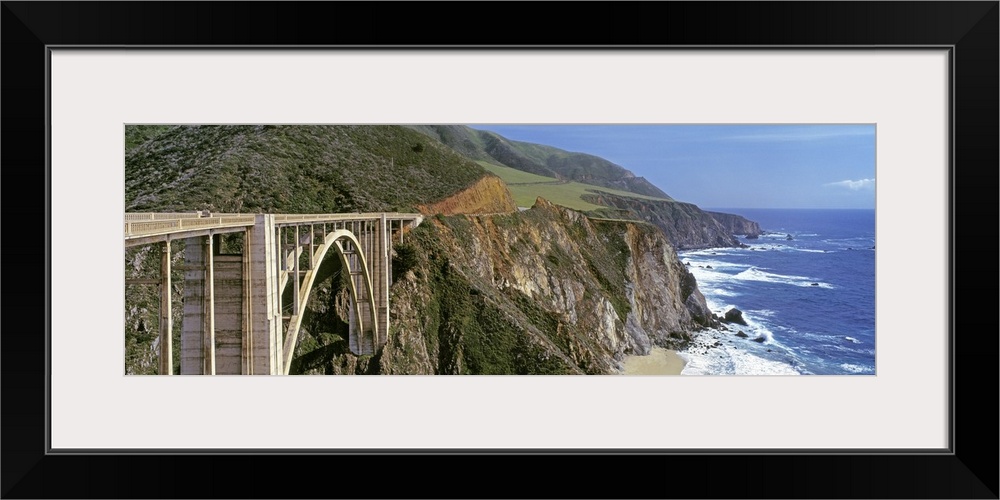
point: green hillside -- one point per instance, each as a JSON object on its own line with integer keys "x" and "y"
{"x": 295, "y": 169}
{"x": 526, "y": 187}
{"x": 539, "y": 159}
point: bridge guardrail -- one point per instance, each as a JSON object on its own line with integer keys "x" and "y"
{"x": 343, "y": 216}
{"x": 137, "y": 216}
{"x": 154, "y": 224}
{"x": 153, "y": 227}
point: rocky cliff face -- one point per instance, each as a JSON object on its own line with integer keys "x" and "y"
{"x": 542, "y": 291}
{"x": 737, "y": 224}
{"x": 685, "y": 225}
{"x": 488, "y": 195}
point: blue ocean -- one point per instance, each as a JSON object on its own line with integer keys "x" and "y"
{"x": 807, "y": 292}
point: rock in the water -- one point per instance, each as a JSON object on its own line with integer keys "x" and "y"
{"x": 708, "y": 267}
{"x": 789, "y": 237}
{"x": 759, "y": 339}
{"x": 742, "y": 335}
{"x": 734, "y": 315}
{"x": 751, "y": 236}
{"x": 813, "y": 284}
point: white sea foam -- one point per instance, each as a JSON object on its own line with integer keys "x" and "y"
{"x": 784, "y": 248}
{"x": 716, "y": 264}
{"x": 862, "y": 243}
{"x": 852, "y": 340}
{"x": 853, "y": 368}
{"x": 756, "y": 274}
{"x": 712, "y": 353}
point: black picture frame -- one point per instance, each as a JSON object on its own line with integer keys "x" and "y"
{"x": 968, "y": 470}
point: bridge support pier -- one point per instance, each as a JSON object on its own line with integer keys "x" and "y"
{"x": 166, "y": 316}
{"x": 198, "y": 330}
{"x": 265, "y": 344}
{"x": 380, "y": 278}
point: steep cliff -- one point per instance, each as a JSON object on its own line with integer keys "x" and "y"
{"x": 737, "y": 224}
{"x": 541, "y": 291}
{"x": 685, "y": 225}
{"x": 488, "y": 195}
{"x": 547, "y": 290}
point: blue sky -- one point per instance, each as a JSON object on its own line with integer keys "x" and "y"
{"x": 732, "y": 166}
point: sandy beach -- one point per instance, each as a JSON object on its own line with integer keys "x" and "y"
{"x": 659, "y": 362}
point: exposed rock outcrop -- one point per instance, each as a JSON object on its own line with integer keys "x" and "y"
{"x": 488, "y": 195}
{"x": 737, "y": 224}
{"x": 542, "y": 291}
{"x": 686, "y": 225}
{"x": 734, "y": 315}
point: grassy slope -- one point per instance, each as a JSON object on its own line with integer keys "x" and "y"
{"x": 539, "y": 159}
{"x": 527, "y": 186}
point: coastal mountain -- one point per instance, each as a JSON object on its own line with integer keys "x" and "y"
{"x": 684, "y": 224}
{"x": 544, "y": 291}
{"x": 576, "y": 178}
{"x": 294, "y": 169}
{"x": 540, "y": 159}
{"x": 478, "y": 287}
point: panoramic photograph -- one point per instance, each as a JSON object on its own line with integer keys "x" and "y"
{"x": 485, "y": 249}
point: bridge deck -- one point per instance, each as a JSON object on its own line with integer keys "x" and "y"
{"x": 144, "y": 228}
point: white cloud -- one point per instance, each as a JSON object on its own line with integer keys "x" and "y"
{"x": 854, "y": 185}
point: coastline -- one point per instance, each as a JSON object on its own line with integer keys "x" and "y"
{"x": 659, "y": 361}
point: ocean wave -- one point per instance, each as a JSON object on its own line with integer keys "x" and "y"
{"x": 862, "y": 243}
{"x": 853, "y": 368}
{"x": 710, "y": 355}
{"x": 709, "y": 252}
{"x": 852, "y": 340}
{"x": 756, "y": 274}
{"x": 849, "y": 350}
{"x": 785, "y": 248}
{"x": 715, "y": 264}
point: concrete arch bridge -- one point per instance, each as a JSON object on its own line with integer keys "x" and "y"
{"x": 234, "y": 321}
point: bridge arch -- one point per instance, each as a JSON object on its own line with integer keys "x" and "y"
{"x": 334, "y": 240}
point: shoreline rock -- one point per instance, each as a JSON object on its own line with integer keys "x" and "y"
{"x": 734, "y": 315}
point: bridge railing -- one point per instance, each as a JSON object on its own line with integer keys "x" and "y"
{"x": 293, "y": 218}
{"x": 154, "y": 224}
{"x": 150, "y": 227}
{"x": 131, "y": 217}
